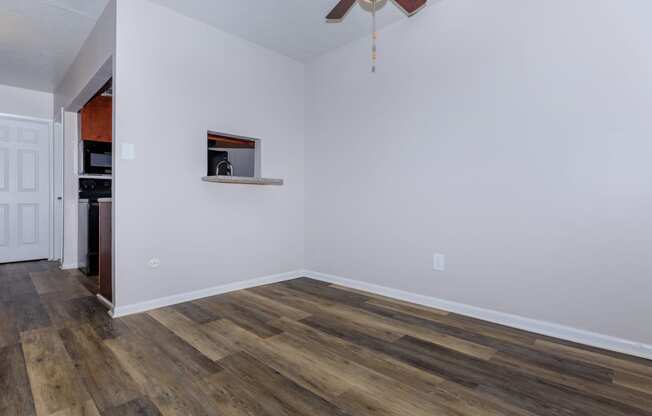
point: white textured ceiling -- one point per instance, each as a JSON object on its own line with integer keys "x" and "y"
{"x": 295, "y": 28}
{"x": 39, "y": 39}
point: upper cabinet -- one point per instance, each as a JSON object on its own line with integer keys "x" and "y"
{"x": 97, "y": 119}
{"x": 227, "y": 142}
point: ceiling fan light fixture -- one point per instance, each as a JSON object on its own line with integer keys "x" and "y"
{"x": 368, "y": 5}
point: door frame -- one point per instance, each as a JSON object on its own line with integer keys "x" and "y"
{"x": 51, "y": 162}
{"x": 57, "y": 174}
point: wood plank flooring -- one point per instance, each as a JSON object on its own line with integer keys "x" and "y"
{"x": 301, "y": 347}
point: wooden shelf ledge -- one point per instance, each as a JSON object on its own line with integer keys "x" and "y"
{"x": 242, "y": 180}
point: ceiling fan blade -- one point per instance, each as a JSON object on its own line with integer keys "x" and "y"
{"x": 340, "y": 10}
{"x": 411, "y": 7}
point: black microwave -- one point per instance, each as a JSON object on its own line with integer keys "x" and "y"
{"x": 97, "y": 158}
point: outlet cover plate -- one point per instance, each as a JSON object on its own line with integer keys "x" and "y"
{"x": 154, "y": 263}
{"x": 439, "y": 262}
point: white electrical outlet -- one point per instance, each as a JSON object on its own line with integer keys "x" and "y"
{"x": 154, "y": 263}
{"x": 439, "y": 262}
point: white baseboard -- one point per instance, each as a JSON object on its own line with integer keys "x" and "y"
{"x": 203, "y": 293}
{"x": 532, "y": 325}
{"x": 527, "y": 324}
{"x": 69, "y": 266}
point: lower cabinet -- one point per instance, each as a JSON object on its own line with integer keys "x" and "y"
{"x": 106, "y": 246}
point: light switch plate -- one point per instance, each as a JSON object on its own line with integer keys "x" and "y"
{"x": 439, "y": 262}
{"x": 127, "y": 151}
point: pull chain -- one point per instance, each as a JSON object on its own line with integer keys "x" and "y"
{"x": 375, "y": 37}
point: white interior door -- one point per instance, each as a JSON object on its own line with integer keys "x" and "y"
{"x": 24, "y": 189}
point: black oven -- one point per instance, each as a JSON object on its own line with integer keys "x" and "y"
{"x": 88, "y": 228}
{"x": 97, "y": 158}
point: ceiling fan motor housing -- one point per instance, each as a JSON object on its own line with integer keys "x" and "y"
{"x": 369, "y": 4}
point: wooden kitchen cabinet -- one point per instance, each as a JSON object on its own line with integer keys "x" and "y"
{"x": 97, "y": 119}
{"x": 105, "y": 250}
{"x": 225, "y": 142}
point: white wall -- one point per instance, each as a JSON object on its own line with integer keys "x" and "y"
{"x": 92, "y": 67}
{"x": 26, "y": 103}
{"x": 176, "y": 79}
{"x": 511, "y": 135}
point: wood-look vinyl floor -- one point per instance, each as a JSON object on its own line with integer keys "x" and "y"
{"x": 295, "y": 348}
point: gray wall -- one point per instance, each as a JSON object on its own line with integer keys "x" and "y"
{"x": 511, "y": 135}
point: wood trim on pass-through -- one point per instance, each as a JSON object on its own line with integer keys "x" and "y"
{"x": 231, "y": 142}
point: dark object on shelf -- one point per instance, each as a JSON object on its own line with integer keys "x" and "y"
{"x": 215, "y": 157}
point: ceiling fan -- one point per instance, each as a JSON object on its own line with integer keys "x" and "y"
{"x": 339, "y": 12}
{"x": 410, "y": 7}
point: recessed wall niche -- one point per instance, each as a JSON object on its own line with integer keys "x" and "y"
{"x": 230, "y": 155}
